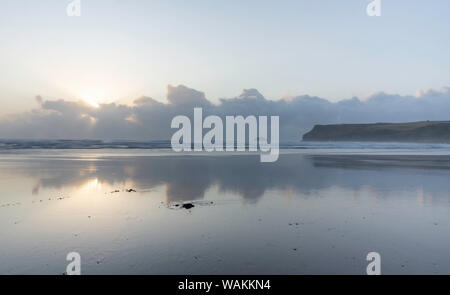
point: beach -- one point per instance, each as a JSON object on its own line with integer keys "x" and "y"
{"x": 311, "y": 212}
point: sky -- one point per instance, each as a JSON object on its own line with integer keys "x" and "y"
{"x": 118, "y": 51}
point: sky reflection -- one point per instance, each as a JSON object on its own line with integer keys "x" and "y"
{"x": 189, "y": 177}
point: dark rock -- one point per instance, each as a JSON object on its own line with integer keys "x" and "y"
{"x": 187, "y": 206}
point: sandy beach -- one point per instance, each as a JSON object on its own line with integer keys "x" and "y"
{"x": 308, "y": 213}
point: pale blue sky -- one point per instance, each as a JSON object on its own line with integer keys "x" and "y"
{"x": 119, "y": 50}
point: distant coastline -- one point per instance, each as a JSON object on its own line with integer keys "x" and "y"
{"x": 420, "y": 132}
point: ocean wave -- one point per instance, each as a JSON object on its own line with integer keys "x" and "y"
{"x": 165, "y": 144}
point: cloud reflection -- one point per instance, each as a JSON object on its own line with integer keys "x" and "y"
{"x": 189, "y": 177}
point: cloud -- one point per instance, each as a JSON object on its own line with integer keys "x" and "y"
{"x": 148, "y": 119}
{"x": 183, "y": 96}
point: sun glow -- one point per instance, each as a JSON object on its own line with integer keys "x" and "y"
{"x": 91, "y": 102}
{"x": 91, "y": 96}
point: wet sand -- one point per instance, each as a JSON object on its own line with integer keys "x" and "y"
{"x": 304, "y": 214}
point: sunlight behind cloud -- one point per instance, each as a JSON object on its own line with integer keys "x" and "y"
{"x": 92, "y": 96}
{"x": 90, "y": 102}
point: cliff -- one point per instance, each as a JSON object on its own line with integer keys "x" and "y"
{"x": 426, "y": 131}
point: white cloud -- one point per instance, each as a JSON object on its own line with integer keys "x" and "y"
{"x": 148, "y": 119}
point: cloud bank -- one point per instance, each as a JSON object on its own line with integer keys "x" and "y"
{"x": 148, "y": 119}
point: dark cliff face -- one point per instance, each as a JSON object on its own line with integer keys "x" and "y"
{"x": 427, "y": 131}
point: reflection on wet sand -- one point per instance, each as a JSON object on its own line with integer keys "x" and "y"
{"x": 304, "y": 214}
{"x": 187, "y": 178}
